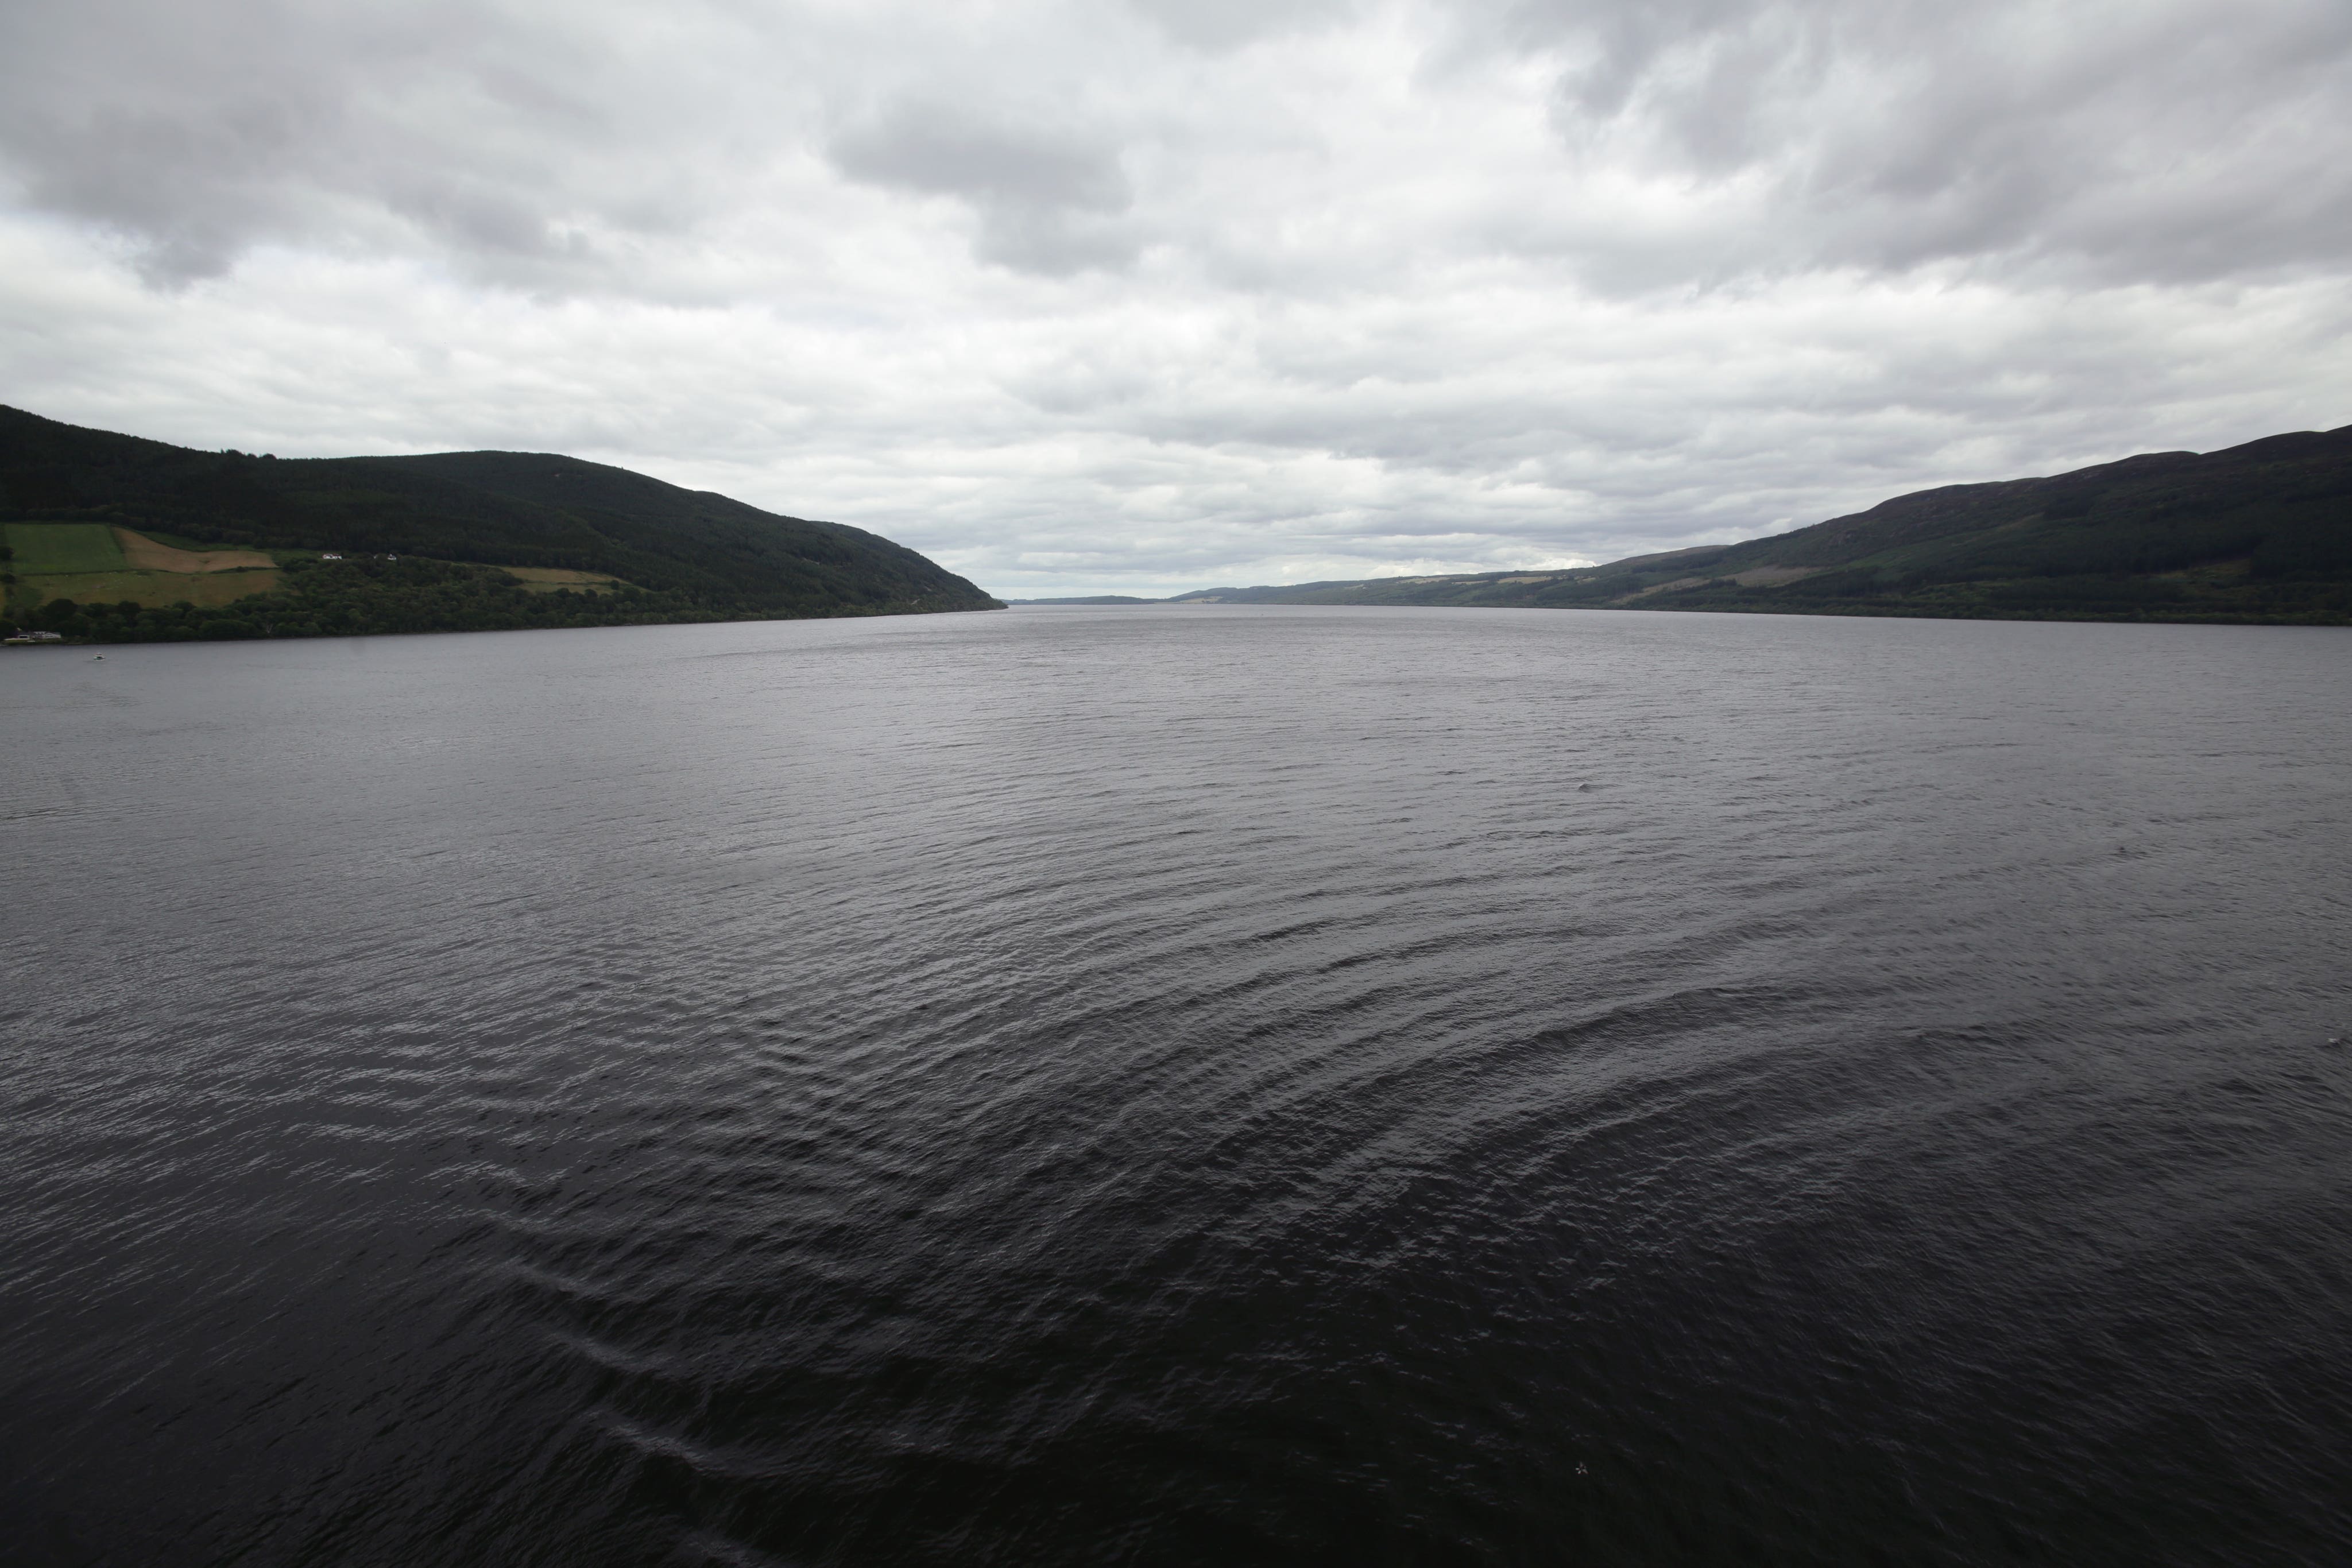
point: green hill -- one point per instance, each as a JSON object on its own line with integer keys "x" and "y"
{"x": 678, "y": 554}
{"x": 2261, "y": 532}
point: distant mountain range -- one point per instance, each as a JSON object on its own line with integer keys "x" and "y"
{"x": 120, "y": 539}
{"x": 650, "y": 551}
{"x": 2261, "y": 532}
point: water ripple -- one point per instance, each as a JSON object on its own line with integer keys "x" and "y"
{"x": 1183, "y": 1086}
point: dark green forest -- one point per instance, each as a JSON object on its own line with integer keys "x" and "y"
{"x": 2259, "y": 533}
{"x": 688, "y": 555}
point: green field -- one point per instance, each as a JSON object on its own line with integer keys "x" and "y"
{"x": 63, "y": 547}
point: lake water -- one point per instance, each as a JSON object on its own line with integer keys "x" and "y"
{"x": 1190, "y": 1085}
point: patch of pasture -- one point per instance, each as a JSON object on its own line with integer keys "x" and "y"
{"x": 152, "y": 589}
{"x": 44, "y": 547}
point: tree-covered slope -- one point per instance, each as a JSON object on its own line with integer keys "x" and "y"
{"x": 2261, "y": 532}
{"x": 689, "y": 549}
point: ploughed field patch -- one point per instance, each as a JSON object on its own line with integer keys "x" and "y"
{"x": 152, "y": 555}
{"x": 548, "y": 579}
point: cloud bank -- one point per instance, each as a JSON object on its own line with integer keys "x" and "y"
{"x": 1140, "y": 298}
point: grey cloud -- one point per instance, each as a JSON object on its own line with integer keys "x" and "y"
{"x": 2160, "y": 141}
{"x": 1218, "y": 25}
{"x": 1621, "y": 45}
{"x": 1048, "y": 198}
{"x": 192, "y": 186}
{"x": 197, "y": 132}
{"x": 1158, "y": 294}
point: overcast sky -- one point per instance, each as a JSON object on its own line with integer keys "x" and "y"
{"x": 1143, "y": 295}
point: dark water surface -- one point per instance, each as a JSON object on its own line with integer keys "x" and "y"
{"x": 1180, "y": 1086}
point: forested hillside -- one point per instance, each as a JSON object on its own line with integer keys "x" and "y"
{"x": 676, "y": 554}
{"x": 2261, "y": 532}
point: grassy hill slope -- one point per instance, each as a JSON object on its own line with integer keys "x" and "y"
{"x": 2261, "y": 532}
{"x": 691, "y": 555}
